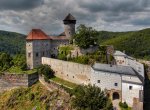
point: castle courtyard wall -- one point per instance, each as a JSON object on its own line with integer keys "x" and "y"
{"x": 73, "y": 72}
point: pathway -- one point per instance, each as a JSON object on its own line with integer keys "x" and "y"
{"x": 116, "y": 104}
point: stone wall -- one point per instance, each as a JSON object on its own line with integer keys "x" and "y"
{"x": 73, "y": 72}
{"x": 77, "y": 51}
{"x": 35, "y": 50}
{"x": 9, "y": 81}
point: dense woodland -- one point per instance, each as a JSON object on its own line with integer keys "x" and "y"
{"x": 12, "y": 43}
{"x": 135, "y": 43}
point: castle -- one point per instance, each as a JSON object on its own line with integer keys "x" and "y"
{"x": 124, "y": 80}
{"x": 39, "y": 45}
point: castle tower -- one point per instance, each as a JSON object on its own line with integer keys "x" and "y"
{"x": 37, "y": 46}
{"x": 69, "y": 25}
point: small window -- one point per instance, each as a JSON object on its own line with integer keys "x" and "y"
{"x": 73, "y": 76}
{"x": 67, "y": 74}
{"x": 98, "y": 81}
{"x": 29, "y": 54}
{"x": 115, "y": 84}
{"x": 43, "y": 53}
{"x": 37, "y": 54}
{"x": 130, "y": 87}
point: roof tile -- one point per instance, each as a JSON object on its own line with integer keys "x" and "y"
{"x": 37, "y": 34}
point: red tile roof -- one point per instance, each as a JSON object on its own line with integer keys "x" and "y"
{"x": 59, "y": 38}
{"x": 37, "y": 34}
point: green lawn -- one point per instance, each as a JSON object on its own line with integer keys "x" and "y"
{"x": 63, "y": 82}
{"x": 18, "y": 70}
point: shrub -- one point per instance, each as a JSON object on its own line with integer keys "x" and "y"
{"x": 123, "y": 105}
{"x": 46, "y": 71}
{"x": 90, "y": 98}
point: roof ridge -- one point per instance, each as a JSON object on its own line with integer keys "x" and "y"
{"x": 37, "y": 34}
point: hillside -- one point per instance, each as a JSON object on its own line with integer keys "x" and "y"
{"x": 36, "y": 97}
{"x": 12, "y": 42}
{"x": 135, "y": 43}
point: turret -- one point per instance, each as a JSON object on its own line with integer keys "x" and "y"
{"x": 69, "y": 25}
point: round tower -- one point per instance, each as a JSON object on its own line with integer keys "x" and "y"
{"x": 69, "y": 25}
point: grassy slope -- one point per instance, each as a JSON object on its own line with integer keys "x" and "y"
{"x": 136, "y": 44}
{"x": 12, "y": 42}
{"x": 33, "y": 97}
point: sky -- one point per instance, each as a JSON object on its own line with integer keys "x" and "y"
{"x": 110, "y": 15}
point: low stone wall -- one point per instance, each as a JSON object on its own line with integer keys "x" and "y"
{"x": 73, "y": 72}
{"x": 9, "y": 81}
{"x": 79, "y": 51}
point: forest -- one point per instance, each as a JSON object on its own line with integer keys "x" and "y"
{"x": 135, "y": 43}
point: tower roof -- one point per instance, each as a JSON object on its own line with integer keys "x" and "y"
{"x": 37, "y": 34}
{"x": 69, "y": 17}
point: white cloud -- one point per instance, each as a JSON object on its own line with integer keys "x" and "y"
{"x": 112, "y": 15}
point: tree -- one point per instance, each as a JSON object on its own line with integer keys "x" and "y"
{"x": 46, "y": 71}
{"x": 19, "y": 60}
{"x": 5, "y": 61}
{"x": 85, "y": 36}
{"x": 90, "y": 98}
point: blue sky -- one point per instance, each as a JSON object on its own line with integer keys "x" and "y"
{"x": 109, "y": 15}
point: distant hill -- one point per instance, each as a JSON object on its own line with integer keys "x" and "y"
{"x": 135, "y": 43}
{"x": 12, "y": 42}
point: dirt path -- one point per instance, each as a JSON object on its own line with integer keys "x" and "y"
{"x": 48, "y": 86}
{"x": 116, "y": 104}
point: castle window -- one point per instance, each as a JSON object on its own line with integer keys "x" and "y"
{"x": 130, "y": 87}
{"x": 98, "y": 81}
{"x": 37, "y": 54}
{"x": 29, "y": 54}
{"x": 43, "y": 53}
{"x": 67, "y": 74}
{"x": 73, "y": 76}
{"x": 115, "y": 84}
